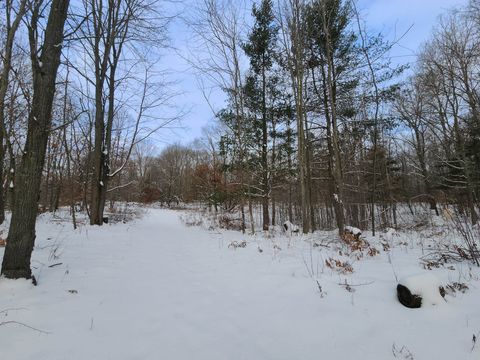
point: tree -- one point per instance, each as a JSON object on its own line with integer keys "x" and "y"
{"x": 11, "y": 28}
{"x": 411, "y": 108}
{"x": 448, "y": 64}
{"x": 45, "y": 61}
{"x": 218, "y": 30}
{"x": 294, "y": 43}
{"x": 261, "y": 49}
{"x": 112, "y": 33}
{"x": 332, "y": 51}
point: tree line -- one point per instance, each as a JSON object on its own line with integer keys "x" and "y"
{"x": 321, "y": 127}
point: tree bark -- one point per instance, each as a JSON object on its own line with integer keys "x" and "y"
{"x": 21, "y": 236}
{"x": 265, "y": 170}
{"x": 11, "y": 29}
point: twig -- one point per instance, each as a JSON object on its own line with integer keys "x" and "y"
{"x": 403, "y": 352}
{"x": 323, "y": 245}
{"x": 12, "y": 309}
{"x": 363, "y": 284}
{"x": 53, "y": 265}
{"x": 25, "y": 325}
{"x": 320, "y": 289}
{"x": 393, "y": 268}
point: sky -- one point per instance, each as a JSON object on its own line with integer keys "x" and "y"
{"x": 391, "y": 17}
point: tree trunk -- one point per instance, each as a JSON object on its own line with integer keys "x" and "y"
{"x": 296, "y": 57}
{"x": 96, "y": 213}
{"x": 21, "y": 235}
{"x": 11, "y": 29}
{"x": 265, "y": 176}
{"x": 308, "y": 179}
{"x": 250, "y": 213}
{"x": 274, "y": 210}
{"x": 334, "y": 147}
{"x": 2, "y": 192}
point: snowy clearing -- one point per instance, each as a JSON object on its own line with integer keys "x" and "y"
{"x": 157, "y": 289}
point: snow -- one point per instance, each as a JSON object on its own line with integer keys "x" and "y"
{"x": 11, "y": 184}
{"x": 390, "y": 233}
{"x": 157, "y": 289}
{"x": 353, "y": 230}
{"x": 289, "y": 227}
{"x": 425, "y": 285}
{"x": 101, "y": 183}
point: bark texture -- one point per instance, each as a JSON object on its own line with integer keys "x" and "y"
{"x": 21, "y": 235}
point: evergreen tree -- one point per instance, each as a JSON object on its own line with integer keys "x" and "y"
{"x": 333, "y": 56}
{"x": 261, "y": 49}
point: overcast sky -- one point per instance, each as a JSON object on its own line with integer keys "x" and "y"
{"x": 391, "y": 17}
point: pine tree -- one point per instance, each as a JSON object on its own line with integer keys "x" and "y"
{"x": 261, "y": 49}
{"x": 332, "y": 52}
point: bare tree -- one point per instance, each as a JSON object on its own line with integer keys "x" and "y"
{"x": 293, "y": 28}
{"x": 219, "y": 26}
{"x": 412, "y": 110}
{"x": 449, "y": 63}
{"x": 110, "y": 32}
{"x": 45, "y": 61}
{"x": 13, "y": 16}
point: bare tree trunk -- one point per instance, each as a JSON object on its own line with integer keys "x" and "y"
{"x": 332, "y": 130}
{"x": 242, "y": 211}
{"x": 68, "y": 155}
{"x": 274, "y": 209}
{"x": 265, "y": 167}
{"x": 308, "y": 180}
{"x": 290, "y": 169}
{"x": 377, "y": 109}
{"x": 250, "y": 213}
{"x": 11, "y": 29}
{"x": 96, "y": 215}
{"x": 21, "y": 235}
{"x": 294, "y": 44}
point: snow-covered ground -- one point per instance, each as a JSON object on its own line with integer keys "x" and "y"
{"x": 157, "y": 289}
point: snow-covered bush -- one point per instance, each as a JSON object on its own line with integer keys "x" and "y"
{"x": 290, "y": 228}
